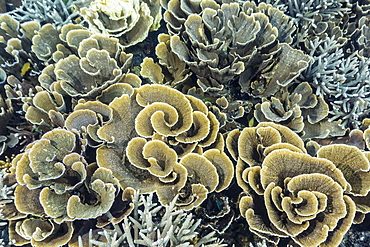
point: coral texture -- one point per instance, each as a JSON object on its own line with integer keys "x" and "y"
{"x": 183, "y": 122}
{"x": 310, "y": 199}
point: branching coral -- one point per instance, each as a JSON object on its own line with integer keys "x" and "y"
{"x": 282, "y": 85}
{"x": 146, "y": 227}
{"x": 342, "y": 81}
{"x": 58, "y": 12}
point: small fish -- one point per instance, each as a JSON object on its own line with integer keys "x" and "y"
{"x": 251, "y": 122}
{"x": 25, "y": 68}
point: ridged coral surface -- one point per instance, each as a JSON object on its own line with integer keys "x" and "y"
{"x": 184, "y": 122}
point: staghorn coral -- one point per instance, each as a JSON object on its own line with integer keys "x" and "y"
{"x": 141, "y": 228}
{"x": 341, "y": 81}
{"x": 129, "y": 21}
{"x": 58, "y": 12}
{"x": 311, "y": 200}
{"x": 234, "y": 64}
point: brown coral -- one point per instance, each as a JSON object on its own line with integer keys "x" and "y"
{"x": 170, "y": 70}
{"x": 85, "y": 63}
{"x": 299, "y": 110}
{"x": 221, "y": 42}
{"x": 303, "y": 197}
{"x": 312, "y": 200}
{"x": 130, "y": 21}
{"x": 56, "y": 186}
{"x": 161, "y": 133}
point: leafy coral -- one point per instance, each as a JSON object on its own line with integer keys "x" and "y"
{"x": 224, "y": 108}
{"x": 306, "y": 198}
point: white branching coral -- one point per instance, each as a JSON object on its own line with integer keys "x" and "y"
{"x": 59, "y": 12}
{"x": 146, "y": 226}
{"x": 343, "y": 81}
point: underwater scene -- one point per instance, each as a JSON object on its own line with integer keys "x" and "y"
{"x": 175, "y": 123}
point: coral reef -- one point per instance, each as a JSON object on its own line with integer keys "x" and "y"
{"x": 183, "y": 122}
{"x": 312, "y": 200}
{"x": 130, "y": 21}
{"x": 222, "y": 42}
{"x": 58, "y": 12}
{"x": 145, "y": 226}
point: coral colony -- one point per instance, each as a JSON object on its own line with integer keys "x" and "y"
{"x": 183, "y": 123}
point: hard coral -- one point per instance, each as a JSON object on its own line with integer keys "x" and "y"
{"x": 85, "y": 65}
{"x": 129, "y": 21}
{"x": 162, "y": 134}
{"x": 221, "y": 42}
{"x": 312, "y": 200}
{"x": 299, "y": 109}
{"x": 56, "y": 186}
{"x": 58, "y": 12}
{"x": 16, "y": 57}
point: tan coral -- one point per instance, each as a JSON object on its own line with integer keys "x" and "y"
{"x": 353, "y": 164}
{"x": 304, "y": 199}
{"x": 225, "y": 42}
{"x": 51, "y": 161}
{"x": 154, "y": 128}
{"x": 104, "y": 186}
{"x": 155, "y": 156}
{"x": 97, "y": 61}
{"x": 88, "y": 75}
{"x": 291, "y": 109}
{"x": 16, "y": 58}
{"x": 43, "y": 107}
{"x": 45, "y": 42}
{"x": 6, "y": 112}
{"x": 87, "y": 118}
{"x": 168, "y": 124}
{"x": 202, "y": 179}
{"x": 250, "y": 143}
{"x": 40, "y": 232}
{"x": 130, "y": 21}
{"x": 170, "y": 70}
